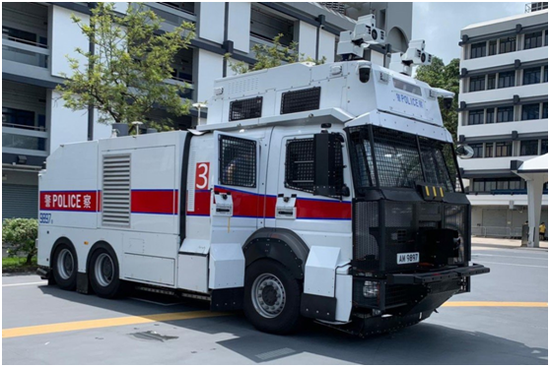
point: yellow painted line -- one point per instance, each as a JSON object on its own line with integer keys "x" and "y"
{"x": 495, "y": 304}
{"x": 427, "y": 190}
{"x": 435, "y": 191}
{"x": 441, "y": 191}
{"x": 101, "y": 323}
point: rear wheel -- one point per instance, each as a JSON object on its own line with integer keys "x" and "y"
{"x": 272, "y": 297}
{"x": 65, "y": 267}
{"x": 104, "y": 273}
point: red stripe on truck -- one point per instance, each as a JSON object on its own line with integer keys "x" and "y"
{"x": 253, "y": 205}
{"x": 155, "y": 201}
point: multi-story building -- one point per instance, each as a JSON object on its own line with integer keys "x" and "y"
{"x": 503, "y": 116}
{"x": 36, "y": 37}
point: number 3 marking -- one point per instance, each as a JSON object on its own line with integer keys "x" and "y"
{"x": 202, "y": 177}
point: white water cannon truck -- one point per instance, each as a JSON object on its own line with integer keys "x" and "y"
{"x": 328, "y": 192}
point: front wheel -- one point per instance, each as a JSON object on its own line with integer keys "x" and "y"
{"x": 272, "y": 297}
{"x": 104, "y": 272}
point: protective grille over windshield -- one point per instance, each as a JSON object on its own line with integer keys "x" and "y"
{"x": 237, "y": 161}
{"x": 299, "y": 170}
{"x": 435, "y": 167}
{"x": 397, "y": 158}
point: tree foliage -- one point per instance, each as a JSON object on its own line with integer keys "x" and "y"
{"x": 18, "y": 235}
{"x": 270, "y": 56}
{"x": 446, "y": 77}
{"x": 124, "y": 79}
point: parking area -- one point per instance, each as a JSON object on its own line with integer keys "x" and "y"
{"x": 503, "y": 321}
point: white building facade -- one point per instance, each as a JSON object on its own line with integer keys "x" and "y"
{"x": 503, "y": 116}
{"x": 36, "y": 37}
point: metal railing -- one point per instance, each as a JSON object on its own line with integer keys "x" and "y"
{"x": 495, "y": 231}
{"x": 25, "y": 52}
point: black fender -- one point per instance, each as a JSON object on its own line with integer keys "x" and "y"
{"x": 279, "y": 244}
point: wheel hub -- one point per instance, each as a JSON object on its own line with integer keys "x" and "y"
{"x": 268, "y": 295}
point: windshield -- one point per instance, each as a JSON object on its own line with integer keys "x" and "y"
{"x": 400, "y": 159}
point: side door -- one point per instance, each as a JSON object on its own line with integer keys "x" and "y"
{"x": 236, "y": 201}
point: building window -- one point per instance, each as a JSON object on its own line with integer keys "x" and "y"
{"x": 545, "y": 110}
{"x": 529, "y": 147}
{"x": 488, "y": 150}
{"x": 503, "y": 149}
{"x": 490, "y": 118}
{"x": 502, "y": 184}
{"x": 492, "y": 48}
{"x": 532, "y": 40}
{"x": 477, "y": 83}
{"x": 544, "y": 146}
{"x": 490, "y": 185}
{"x": 267, "y": 25}
{"x": 545, "y": 75}
{"x": 505, "y": 114}
{"x": 478, "y": 150}
{"x": 479, "y": 185}
{"x": 530, "y": 111}
{"x": 491, "y": 81}
{"x": 475, "y": 117}
{"x": 546, "y": 37}
{"x": 506, "y": 79}
{"x": 531, "y": 76}
{"x": 507, "y": 44}
{"x": 478, "y": 50}
{"x": 13, "y": 117}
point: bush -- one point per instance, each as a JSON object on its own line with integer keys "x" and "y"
{"x": 19, "y": 235}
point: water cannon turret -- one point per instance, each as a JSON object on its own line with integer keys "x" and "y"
{"x": 402, "y": 62}
{"x": 354, "y": 43}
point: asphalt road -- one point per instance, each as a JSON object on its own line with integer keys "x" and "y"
{"x": 494, "y": 331}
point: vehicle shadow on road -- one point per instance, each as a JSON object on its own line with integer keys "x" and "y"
{"x": 425, "y": 343}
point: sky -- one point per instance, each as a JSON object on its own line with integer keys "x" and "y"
{"x": 439, "y": 24}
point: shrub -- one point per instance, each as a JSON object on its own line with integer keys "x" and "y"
{"x": 19, "y": 235}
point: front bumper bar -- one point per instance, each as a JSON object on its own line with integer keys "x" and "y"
{"x": 437, "y": 276}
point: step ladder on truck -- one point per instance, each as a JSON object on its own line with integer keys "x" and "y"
{"x": 328, "y": 192}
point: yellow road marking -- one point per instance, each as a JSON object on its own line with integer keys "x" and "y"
{"x": 495, "y": 304}
{"x": 100, "y": 323}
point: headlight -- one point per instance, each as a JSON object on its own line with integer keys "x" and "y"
{"x": 371, "y": 289}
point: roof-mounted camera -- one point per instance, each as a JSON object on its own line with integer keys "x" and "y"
{"x": 415, "y": 55}
{"x": 354, "y": 43}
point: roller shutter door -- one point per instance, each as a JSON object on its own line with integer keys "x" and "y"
{"x": 19, "y": 201}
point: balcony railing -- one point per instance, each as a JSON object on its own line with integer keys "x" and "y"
{"x": 25, "y": 52}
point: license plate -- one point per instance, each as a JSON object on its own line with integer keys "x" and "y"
{"x": 408, "y": 258}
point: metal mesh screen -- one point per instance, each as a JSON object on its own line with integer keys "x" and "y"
{"x": 435, "y": 167}
{"x": 237, "y": 161}
{"x": 397, "y": 158}
{"x": 365, "y": 227}
{"x": 245, "y": 109}
{"x": 299, "y": 165}
{"x": 399, "y": 214}
{"x": 301, "y": 100}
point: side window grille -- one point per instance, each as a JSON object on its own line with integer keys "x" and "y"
{"x": 237, "y": 161}
{"x": 301, "y": 100}
{"x": 299, "y": 166}
{"x": 115, "y": 198}
{"x": 245, "y": 109}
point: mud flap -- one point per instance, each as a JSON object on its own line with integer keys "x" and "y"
{"x": 228, "y": 299}
{"x": 82, "y": 284}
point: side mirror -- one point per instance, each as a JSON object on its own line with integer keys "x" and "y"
{"x": 464, "y": 151}
{"x": 328, "y": 165}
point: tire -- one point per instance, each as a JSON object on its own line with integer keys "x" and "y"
{"x": 104, "y": 273}
{"x": 272, "y": 297}
{"x": 65, "y": 267}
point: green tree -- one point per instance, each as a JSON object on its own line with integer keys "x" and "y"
{"x": 446, "y": 77}
{"x": 18, "y": 235}
{"x": 124, "y": 79}
{"x": 270, "y": 56}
